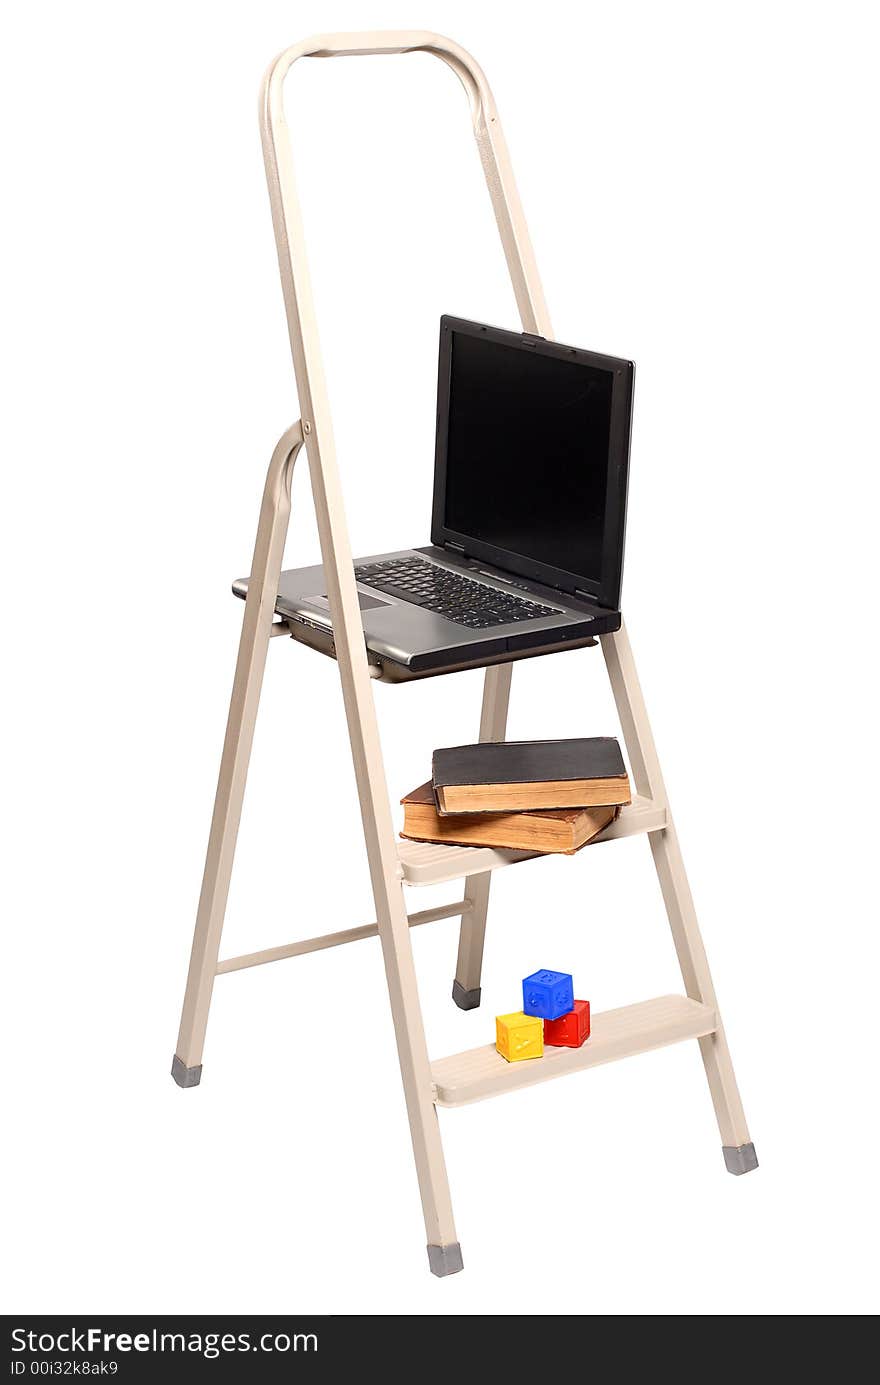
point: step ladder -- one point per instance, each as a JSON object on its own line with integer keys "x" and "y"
{"x": 395, "y": 864}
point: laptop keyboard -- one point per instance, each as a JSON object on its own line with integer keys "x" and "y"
{"x": 460, "y": 599}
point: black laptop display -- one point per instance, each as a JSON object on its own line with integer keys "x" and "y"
{"x": 532, "y": 452}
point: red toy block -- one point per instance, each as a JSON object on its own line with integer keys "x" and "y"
{"x": 570, "y": 1030}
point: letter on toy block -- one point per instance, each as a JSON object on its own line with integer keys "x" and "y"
{"x": 519, "y": 1036}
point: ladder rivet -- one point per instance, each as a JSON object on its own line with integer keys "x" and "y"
{"x": 307, "y": 428}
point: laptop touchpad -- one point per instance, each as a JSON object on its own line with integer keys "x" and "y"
{"x": 368, "y": 603}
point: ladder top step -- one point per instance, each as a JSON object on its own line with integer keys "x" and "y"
{"x": 481, "y": 1072}
{"x": 426, "y": 863}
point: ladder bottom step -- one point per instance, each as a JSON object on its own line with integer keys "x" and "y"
{"x": 482, "y": 1072}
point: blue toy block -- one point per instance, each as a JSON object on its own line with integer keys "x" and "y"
{"x": 548, "y": 994}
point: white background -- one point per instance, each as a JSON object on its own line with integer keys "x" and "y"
{"x": 700, "y": 182}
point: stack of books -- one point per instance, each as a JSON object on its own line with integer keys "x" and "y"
{"x": 541, "y": 796}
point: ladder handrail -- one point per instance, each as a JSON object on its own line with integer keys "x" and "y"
{"x": 489, "y": 136}
{"x": 390, "y": 41}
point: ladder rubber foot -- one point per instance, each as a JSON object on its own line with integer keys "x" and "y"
{"x": 740, "y": 1158}
{"x": 184, "y": 1076}
{"x": 445, "y": 1260}
{"x": 466, "y": 1000}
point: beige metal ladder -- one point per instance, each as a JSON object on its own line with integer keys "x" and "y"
{"x": 394, "y": 864}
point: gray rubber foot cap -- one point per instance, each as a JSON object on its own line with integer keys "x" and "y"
{"x": 184, "y": 1076}
{"x": 445, "y": 1260}
{"x": 740, "y": 1158}
{"x": 466, "y": 1000}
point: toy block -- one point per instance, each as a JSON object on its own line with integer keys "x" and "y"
{"x": 571, "y": 1030}
{"x": 519, "y": 1036}
{"x": 548, "y": 994}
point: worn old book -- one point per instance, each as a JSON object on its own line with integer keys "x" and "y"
{"x": 547, "y": 829}
{"x": 513, "y": 776}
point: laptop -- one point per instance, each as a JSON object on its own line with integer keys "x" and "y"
{"x": 529, "y": 513}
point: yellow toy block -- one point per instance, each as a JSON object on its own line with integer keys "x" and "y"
{"x": 519, "y": 1036}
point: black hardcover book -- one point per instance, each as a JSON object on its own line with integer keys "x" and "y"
{"x": 506, "y": 776}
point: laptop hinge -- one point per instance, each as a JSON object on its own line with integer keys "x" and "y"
{"x": 456, "y": 547}
{"x": 593, "y": 600}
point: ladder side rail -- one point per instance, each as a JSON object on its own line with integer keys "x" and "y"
{"x": 384, "y": 864}
{"x": 385, "y": 871}
{"x": 256, "y": 631}
{"x": 739, "y": 1153}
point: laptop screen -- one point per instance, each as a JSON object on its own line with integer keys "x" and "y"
{"x": 533, "y": 443}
